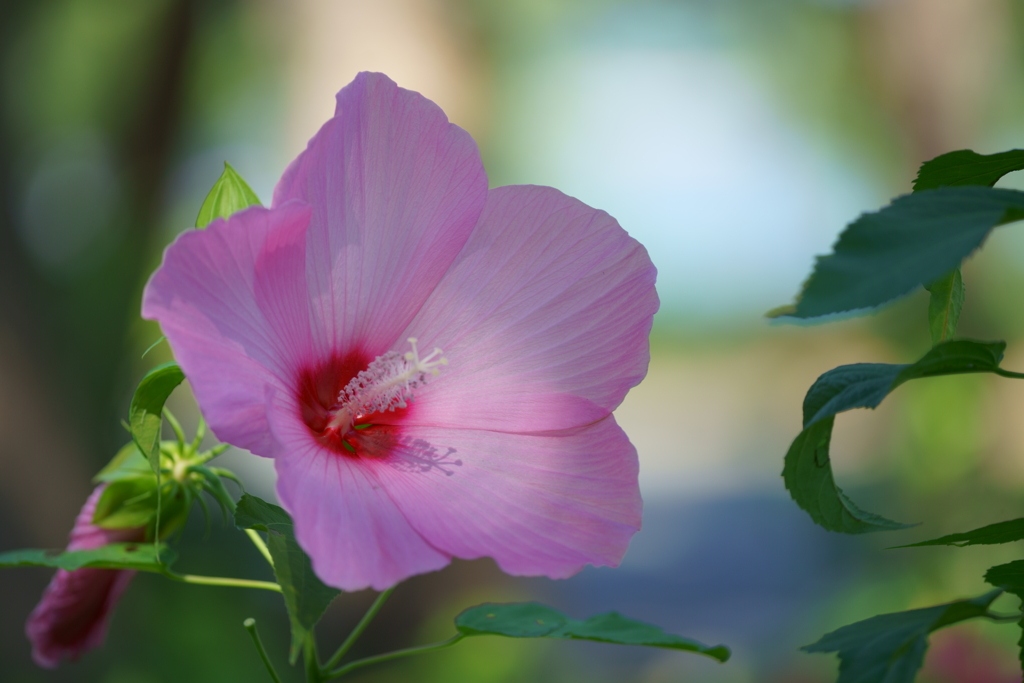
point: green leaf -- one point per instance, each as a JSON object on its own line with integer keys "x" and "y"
{"x": 138, "y": 556}
{"x": 965, "y": 167}
{"x": 1010, "y": 577}
{"x": 515, "y": 620}
{"x": 129, "y": 462}
{"x": 305, "y": 595}
{"x": 890, "y": 648}
{"x": 144, "y": 414}
{"x": 944, "y": 306}
{"x": 993, "y": 534}
{"x": 533, "y": 620}
{"x": 229, "y": 194}
{"x": 915, "y": 240}
{"x": 807, "y": 472}
{"x": 864, "y": 385}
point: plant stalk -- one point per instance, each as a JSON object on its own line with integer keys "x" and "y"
{"x": 358, "y": 630}
{"x": 250, "y": 626}
{"x": 360, "y": 663}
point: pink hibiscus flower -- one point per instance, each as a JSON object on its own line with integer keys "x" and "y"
{"x": 297, "y": 326}
{"x": 73, "y": 613}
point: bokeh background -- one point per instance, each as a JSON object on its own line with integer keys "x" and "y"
{"x": 734, "y": 138}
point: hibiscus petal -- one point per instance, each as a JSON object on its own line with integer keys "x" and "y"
{"x": 233, "y": 304}
{"x": 544, "y": 318}
{"x": 539, "y": 504}
{"x": 395, "y": 191}
{"x": 354, "y": 534}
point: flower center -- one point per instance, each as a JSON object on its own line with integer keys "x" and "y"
{"x": 386, "y": 384}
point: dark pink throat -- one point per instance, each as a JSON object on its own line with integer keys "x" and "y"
{"x": 318, "y": 389}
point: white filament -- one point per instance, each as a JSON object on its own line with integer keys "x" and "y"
{"x": 386, "y": 384}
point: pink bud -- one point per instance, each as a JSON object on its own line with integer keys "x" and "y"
{"x": 72, "y": 615}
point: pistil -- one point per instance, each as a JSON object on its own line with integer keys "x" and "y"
{"x": 388, "y": 383}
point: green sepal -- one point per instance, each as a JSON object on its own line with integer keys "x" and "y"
{"x": 993, "y": 534}
{"x": 966, "y": 167}
{"x": 944, "y": 305}
{"x": 227, "y": 474}
{"x": 890, "y": 648}
{"x": 228, "y": 195}
{"x": 807, "y": 471}
{"x": 127, "y": 503}
{"x": 213, "y": 485}
{"x": 533, "y": 620}
{"x": 127, "y": 463}
{"x": 144, "y": 557}
{"x": 305, "y": 596}
{"x": 132, "y": 503}
{"x": 145, "y": 412}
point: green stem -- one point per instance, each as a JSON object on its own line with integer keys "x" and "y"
{"x": 314, "y": 674}
{"x": 220, "y": 581}
{"x": 1008, "y": 373}
{"x": 250, "y": 626}
{"x": 257, "y": 541}
{"x": 358, "y": 630}
{"x": 360, "y": 663}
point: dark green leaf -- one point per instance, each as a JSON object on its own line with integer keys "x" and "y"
{"x": 138, "y": 556}
{"x": 808, "y": 469}
{"x": 890, "y": 648}
{"x": 305, "y": 595}
{"x": 808, "y": 477}
{"x": 533, "y": 620}
{"x": 915, "y": 240}
{"x": 1010, "y": 576}
{"x": 515, "y": 620}
{"x": 859, "y": 385}
{"x": 229, "y": 194}
{"x": 993, "y": 534}
{"x": 965, "y": 167}
{"x": 944, "y": 306}
{"x": 129, "y": 462}
{"x": 256, "y": 513}
{"x": 865, "y": 385}
{"x": 144, "y": 414}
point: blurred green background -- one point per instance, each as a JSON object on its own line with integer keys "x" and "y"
{"x": 734, "y": 138}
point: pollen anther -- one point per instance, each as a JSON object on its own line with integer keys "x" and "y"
{"x": 386, "y": 384}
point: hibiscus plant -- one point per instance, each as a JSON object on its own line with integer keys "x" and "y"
{"x": 432, "y": 365}
{"x": 919, "y": 239}
{"x": 311, "y": 332}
